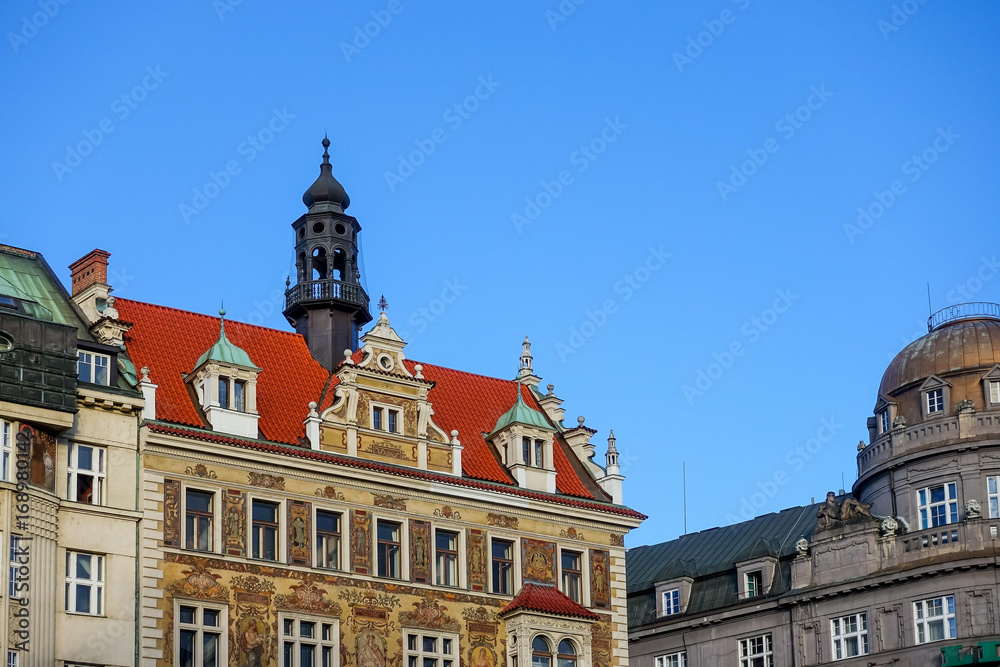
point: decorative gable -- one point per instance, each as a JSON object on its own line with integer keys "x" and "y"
{"x": 524, "y": 439}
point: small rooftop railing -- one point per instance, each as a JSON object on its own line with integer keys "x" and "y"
{"x": 322, "y": 290}
{"x": 963, "y": 311}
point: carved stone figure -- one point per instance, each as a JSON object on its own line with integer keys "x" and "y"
{"x": 853, "y": 509}
{"x": 829, "y": 513}
{"x": 889, "y": 526}
{"x": 802, "y": 548}
{"x": 973, "y": 510}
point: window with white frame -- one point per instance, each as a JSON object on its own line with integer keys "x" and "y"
{"x": 541, "y": 652}
{"x": 756, "y": 651}
{"x": 389, "y": 546}
{"x": 199, "y": 518}
{"x": 935, "y": 619}
{"x": 572, "y": 575}
{"x": 883, "y": 421}
{"x": 327, "y": 539}
{"x": 232, "y": 393}
{"x": 200, "y": 630}
{"x": 386, "y": 418}
{"x": 446, "y": 558}
{"x": 850, "y": 636}
{"x": 671, "y": 602}
{"x": 754, "y": 583}
{"x": 6, "y": 451}
{"x": 84, "y": 583}
{"x": 427, "y": 649}
{"x": 993, "y": 496}
{"x": 994, "y": 391}
{"x": 308, "y": 642}
{"x": 935, "y": 401}
{"x": 678, "y": 659}
{"x": 13, "y": 659}
{"x": 264, "y": 529}
{"x": 502, "y": 552}
{"x": 94, "y": 368}
{"x": 17, "y": 578}
{"x": 938, "y": 505}
{"x": 85, "y": 474}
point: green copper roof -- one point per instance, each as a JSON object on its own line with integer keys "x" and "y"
{"x": 520, "y": 413}
{"x": 224, "y": 351}
{"x": 25, "y": 275}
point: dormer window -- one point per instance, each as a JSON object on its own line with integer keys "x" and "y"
{"x": 539, "y": 460}
{"x": 935, "y": 401}
{"x": 754, "y": 582}
{"x": 884, "y": 424}
{"x": 94, "y": 368}
{"x": 994, "y": 391}
{"x": 232, "y": 394}
{"x": 385, "y": 418}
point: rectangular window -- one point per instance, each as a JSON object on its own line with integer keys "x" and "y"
{"x": 15, "y": 587}
{"x": 13, "y": 659}
{"x": 756, "y": 652}
{"x": 526, "y": 451}
{"x": 199, "y": 636}
{"x": 6, "y": 448}
{"x": 935, "y": 619}
{"x": 198, "y": 515}
{"x": 265, "y": 530}
{"x": 671, "y": 602}
{"x": 84, "y": 583}
{"x": 539, "y": 461}
{"x": 85, "y": 474}
{"x": 393, "y": 416}
{"x": 327, "y": 539}
{"x": 938, "y": 505}
{"x": 446, "y": 557}
{"x": 883, "y": 420}
{"x": 93, "y": 368}
{"x": 503, "y": 567}
{"x": 377, "y": 419}
{"x": 672, "y": 660}
{"x": 754, "y": 583}
{"x": 430, "y": 650}
{"x": 572, "y": 575}
{"x": 223, "y": 392}
{"x": 993, "y": 494}
{"x": 388, "y": 550}
{"x": 850, "y": 636}
{"x": 994, "y": 391}
{"x": 239, "y": 392}
{"x": 935, "y": 401}
{"x": 308, "y": 642}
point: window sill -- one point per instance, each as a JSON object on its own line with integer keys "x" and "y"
{"x": 84, "y": 614}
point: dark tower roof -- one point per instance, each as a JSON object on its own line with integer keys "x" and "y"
{"x": 326, "y": 189}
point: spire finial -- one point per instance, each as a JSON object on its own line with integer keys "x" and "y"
{"x": 382, "y": 303}
{"x": 326, "y": 145}
{"x": 222, "y": 319}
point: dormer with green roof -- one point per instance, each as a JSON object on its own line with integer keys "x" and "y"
{"x": 225, "y": 381}
{"x": 523, "y": 436}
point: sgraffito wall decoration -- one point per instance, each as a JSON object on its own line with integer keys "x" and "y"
{"x": 299, "y": 532}
{"x": 196, "y": 582}
{"x": 235, "y": 523}
{"x": 253, "y": 623}
{"x": 361, "y": 541}
{"x": 420, "y": 548}
{"x": 430, "y": 614}
{"x": 477, "y": 565}
{"x": 539, "y": 561}
{"x": 40, "y": 447}
{"x": 600, "y": 593}
{"x": 600, "y": 643}
{"x": 171, "y": 513}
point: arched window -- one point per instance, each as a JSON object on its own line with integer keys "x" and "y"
{"x": 339, "y": 264}
{"x": 319, "y": 264}
{"x": 567, "y": 654}
{"x": 541, "y": 652}
{"x": 301, "y": 266}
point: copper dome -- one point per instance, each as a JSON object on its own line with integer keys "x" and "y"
{"x": 968, "y": 343}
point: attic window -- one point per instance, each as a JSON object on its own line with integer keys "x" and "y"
{"x": 883, "y": 421}
{"x": 994, "y": 391}
{"x": 94, "y": 368}
{"x": 754, "y": 583}
{"x": 935, "y": 401}
{"x": 232, "y": 394}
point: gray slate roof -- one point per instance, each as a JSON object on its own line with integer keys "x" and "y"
{"x": 710, "y": 556}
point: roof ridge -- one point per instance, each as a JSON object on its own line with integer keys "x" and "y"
{"x": 209, "y": 317}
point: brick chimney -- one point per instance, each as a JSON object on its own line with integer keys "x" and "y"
{"x": 90, "y": 269}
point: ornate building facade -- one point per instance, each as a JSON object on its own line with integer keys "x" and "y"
{"x": 318, "y": 499}
{"x": 902, "y": 571}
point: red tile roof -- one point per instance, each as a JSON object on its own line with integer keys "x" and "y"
{"x": 364, "y": 464}
{"x": 547, "y": 600}
{"x": 170, "y": 341}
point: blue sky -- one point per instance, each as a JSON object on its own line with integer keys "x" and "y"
{"x": 658, "y": 193}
